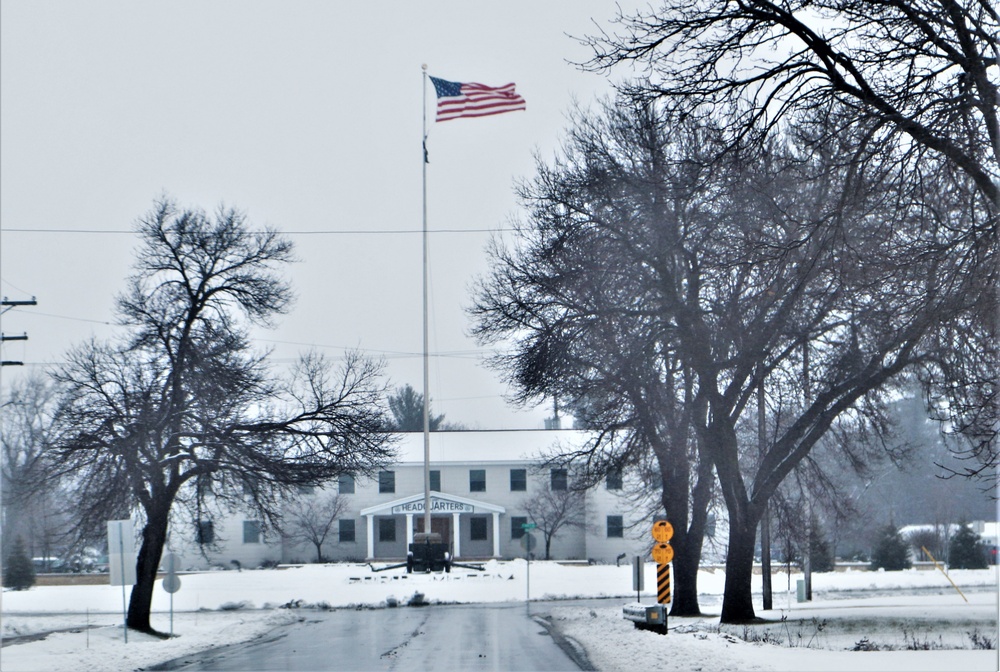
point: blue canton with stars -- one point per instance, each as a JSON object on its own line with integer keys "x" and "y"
{"x": 446, "y": 89}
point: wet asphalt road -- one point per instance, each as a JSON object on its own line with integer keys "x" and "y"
{"x": 437, "y": 637}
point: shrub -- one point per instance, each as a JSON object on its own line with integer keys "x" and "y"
{"x": 891, "y": 551}
{"x": 981, "y": 641}
{"x": 866, "y": 645}
{"x": 19, "y": 573}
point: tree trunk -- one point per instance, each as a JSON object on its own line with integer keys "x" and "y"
{"x": 319, "y": 552}
{"x": 154, "y": 537}
{"x": 737, "y": 602}
{"x": 684, "y": 588}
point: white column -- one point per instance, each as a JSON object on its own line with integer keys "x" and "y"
{"x": 455, "y": 517}
{"x": 496, "y": 534}
{"x": 409, "y": 530}
{"x": 370, "y": 521}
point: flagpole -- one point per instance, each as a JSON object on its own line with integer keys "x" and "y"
{"x": 427, "y": 422}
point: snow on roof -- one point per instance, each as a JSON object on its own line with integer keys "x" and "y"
{"x": 986, "y": 529}
{"x": 486, "y": 446}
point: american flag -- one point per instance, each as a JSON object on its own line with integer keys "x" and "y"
{"x": 468, "y": 99}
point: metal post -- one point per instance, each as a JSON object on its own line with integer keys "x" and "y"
{"x": 765, "y": 518}
{"x": 121, "y": 551}
{"x": 806, "y": 559}
{"x": 427, "y": 422}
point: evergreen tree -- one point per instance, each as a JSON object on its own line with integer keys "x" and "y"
{"x": 891, "y": 551}
{"x": 407, "y": 406}
{"x": 966, "y": 550}
{"x": 820, "y": 554}
{"x": 19, "y": 573}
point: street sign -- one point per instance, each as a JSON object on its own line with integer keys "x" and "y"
{"x": 638, "y": 579}
{"x": 662, "y": 531}
{"x": 528, "y": 542}
{"x": 528, "y": 526}
{"x": 121, "y": 553}
{"x": 663, "y": 584}
{"x": 662, "y": 553}
{"x": 171, "y": 583}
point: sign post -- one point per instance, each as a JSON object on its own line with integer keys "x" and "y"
{"x": 662, "y": 554}
{"x": 171, "y": 582}
{"x": 528, "y": 543}
{"x": 638, "y": 580}
{"x": 121, "y": 560}
{"x": 655, "y": 617}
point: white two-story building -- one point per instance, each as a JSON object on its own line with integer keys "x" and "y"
{"x": 481, "y": 482}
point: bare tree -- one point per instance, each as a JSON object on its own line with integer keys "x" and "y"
{"x": 309, "y": 519}
{"x": 31, "y": 497}
{"x": 552, "y": 510}
{"x": 581, "y": 317}
{"x": 182, "y": 417}
{"x": 918, "y": 68}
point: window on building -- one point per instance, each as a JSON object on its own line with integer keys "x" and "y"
{"x": 616, "y": 527}
{"x": 477, "y": 480}
{"x": 346, "y": 530}
{"x": 251, "y": 532}
{"x": 345, "y": 484}
{"x": 516, "y": 531}
{"x": 615, "y": 480}
{"x": 560, "y": 480}
{"x": 518, "y": 480}
{"x": 477, "y": 528}
{"x": 387, "y": 481}
{"x": 204, "y": 532}
{"x": 387, "y": 529}
{"x": 305, "y": 489}
{"x": 435, "y": 480}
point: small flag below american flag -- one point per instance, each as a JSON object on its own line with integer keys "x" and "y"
{"x": 469, "y": 99}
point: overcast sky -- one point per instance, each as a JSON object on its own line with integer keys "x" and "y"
{"x": 306, "y": 116}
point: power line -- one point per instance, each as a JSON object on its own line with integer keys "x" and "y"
{"x": 75, "y": 319}
{"x": 323, "y": 232}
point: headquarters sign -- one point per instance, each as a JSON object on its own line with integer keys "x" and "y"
{"x": 437, "y": 506}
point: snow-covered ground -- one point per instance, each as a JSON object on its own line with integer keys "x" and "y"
{"x": 910, "y": 620}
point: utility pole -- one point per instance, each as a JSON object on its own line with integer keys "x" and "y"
{"x": 8, "y": 304}
{"x": 806, "y": 559}
{"x": 3, "y": 339}
{"x": 765, "y": 518}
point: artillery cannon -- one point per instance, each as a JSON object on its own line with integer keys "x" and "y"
{"x": 427, "y": 554}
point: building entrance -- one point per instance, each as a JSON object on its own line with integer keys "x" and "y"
{"x": 449, "y": 514}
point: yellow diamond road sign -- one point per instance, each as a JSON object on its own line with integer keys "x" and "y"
{"x": 662, "y": 554}
{"x": 662, "y": 531}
